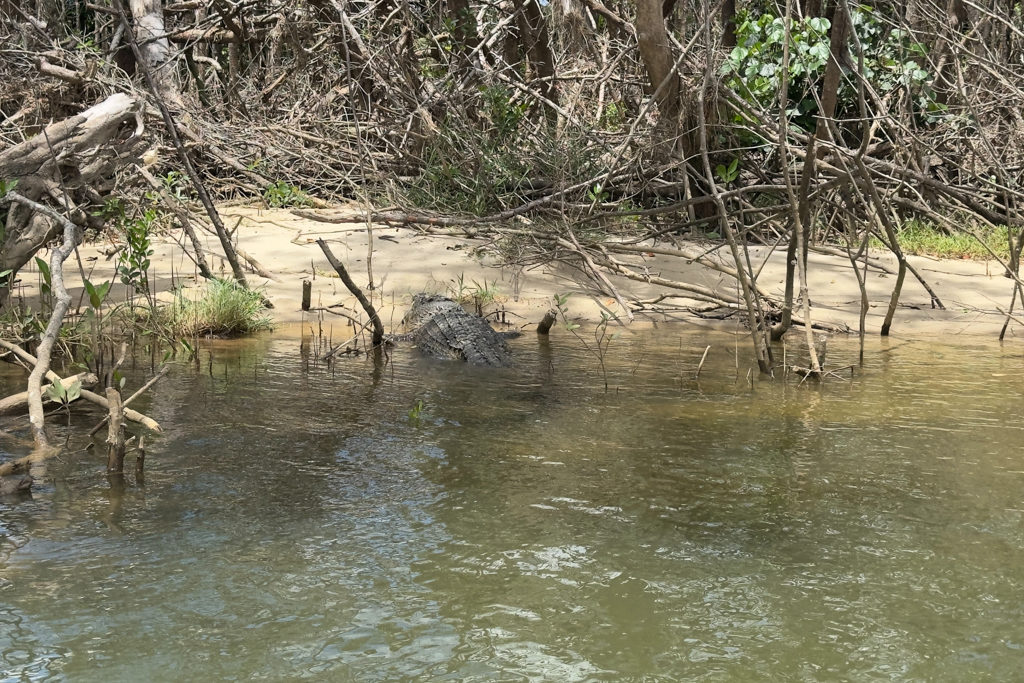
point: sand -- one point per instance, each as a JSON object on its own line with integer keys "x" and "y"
{"x": 406, "y": 261}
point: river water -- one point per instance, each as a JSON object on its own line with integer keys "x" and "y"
{"x": 436, "y": 522}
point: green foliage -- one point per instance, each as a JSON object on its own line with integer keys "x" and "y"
{"x": 176, "y": 185}
{"x": 918, "y": 237}
{"x": 503, "y": 114}
{"x": 891, "y": 60}
{"x": 59, "y": 393}
{"x": 613, "y": 116}
{"x": 223, "y": 308}
{"x": 135, "y": 260}
{"x": 97, "y": 293}
{"x": 597, "y": 194}
{"x": 485, "y": 157}
{"x": 729, "y": 173}
{"x": 46, "y": 287}
{"x": 479, "y": 295}
{"x": 112, "y": 210}
{"x": 602, "y": 340}
{"x": 281, "y": 194}
{"x": 562, "y": 304}
{"x": 416, "y": 414}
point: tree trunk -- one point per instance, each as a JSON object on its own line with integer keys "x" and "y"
{"x": 538, "y": 47}
{"x": 729, "y": 24}
{"x": 656, "y": 52}
{"x": 150, "y": 33}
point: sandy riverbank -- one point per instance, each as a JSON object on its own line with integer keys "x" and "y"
{"x": 405, "y": 262}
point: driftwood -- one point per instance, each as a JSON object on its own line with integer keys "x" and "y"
{"x": 132, "y": 415}
{"x": 242, "y": 254}
{"x": 66, "y": 163}
{"x": 17, "y": 402}
{"x": 15, "y": 485}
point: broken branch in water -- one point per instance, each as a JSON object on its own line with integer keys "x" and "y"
{"x": 378, "y": 326}
{"x": 143, "y": 389}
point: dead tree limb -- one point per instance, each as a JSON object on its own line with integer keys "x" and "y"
{"x": 378, "y": 326}
{"x": 143, "y": 389}
{"x": 183, "y": 218}
{"x": 132, "y": 415}
{"x": 62, "y": 304}
{"x": 115, "y": 432}
{"x": 16, "y": 402}
{"x": 87, "y": 148}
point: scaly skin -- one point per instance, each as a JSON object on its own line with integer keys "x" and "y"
{"x": 441, "y": 328}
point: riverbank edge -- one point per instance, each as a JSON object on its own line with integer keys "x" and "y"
{"x": 405, "y": 261}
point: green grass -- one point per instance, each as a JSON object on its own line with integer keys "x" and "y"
{"x": 224, "y": 308}
{"x": 925, "y": 239}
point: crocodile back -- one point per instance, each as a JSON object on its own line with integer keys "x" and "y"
{"x": 441, "y": 328}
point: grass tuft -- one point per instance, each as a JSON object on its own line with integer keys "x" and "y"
{"x": 921, "y": 238}
{"x": 224, "y": 308}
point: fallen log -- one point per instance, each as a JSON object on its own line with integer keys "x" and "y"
{"x": 17, "y": 402}
{"x": 132, "y": 415}
{"x": 78, "y": 155}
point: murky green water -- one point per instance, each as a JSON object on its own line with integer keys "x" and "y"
{"x": 296, "y": 522}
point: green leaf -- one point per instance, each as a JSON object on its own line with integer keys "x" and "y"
{"x": 45, "y": 270}
{"x": 73, "y": 392}
{"x": 820, "y": 52}
{"x": 56, "y": 391}
{"x": 819, "y": 24}
{"x": 94, "y": 296}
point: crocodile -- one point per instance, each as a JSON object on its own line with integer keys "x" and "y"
{"x": 441, "y": 328}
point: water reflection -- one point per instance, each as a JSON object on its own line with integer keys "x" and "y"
{"x": 296, "y": 521}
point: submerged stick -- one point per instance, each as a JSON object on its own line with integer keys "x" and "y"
{"x": 544, "y": 327}
{"x": 378, "y": 327}
{"x": 700, "y": 365}
{"x": 115, "y": 432}
{"x": 143, "y": 389}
